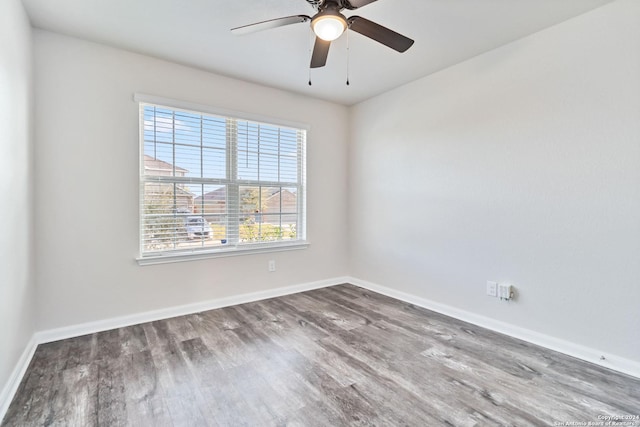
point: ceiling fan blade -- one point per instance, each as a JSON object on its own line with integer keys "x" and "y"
{"x": 320, "y": 53}
{"x": 354, "y": 4}
{"x": 272, "y": 23}
{"x": 380, "y": 34}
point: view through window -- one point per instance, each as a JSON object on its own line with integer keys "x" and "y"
{"x": 214, "y": 183}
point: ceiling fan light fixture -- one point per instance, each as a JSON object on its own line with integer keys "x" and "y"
{"x": 329, "y": 26}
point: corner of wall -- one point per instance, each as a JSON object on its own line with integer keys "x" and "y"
{"x": 17, "y": 293}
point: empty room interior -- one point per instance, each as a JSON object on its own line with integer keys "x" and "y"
{"x": 320, "y": 212}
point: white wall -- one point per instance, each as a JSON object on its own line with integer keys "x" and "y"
{"x": 87, "y": 185}
{"x": 16, "y": 154}
{"x": 520, "y": 165}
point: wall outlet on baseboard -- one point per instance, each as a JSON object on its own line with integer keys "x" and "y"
{"x": 272, "y": 265}
{"x": 492, "y": 289}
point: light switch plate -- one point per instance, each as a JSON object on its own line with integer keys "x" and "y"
{"x": 492, "y": 289}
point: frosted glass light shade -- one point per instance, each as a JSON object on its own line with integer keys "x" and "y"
{"x": 328, "y": 27}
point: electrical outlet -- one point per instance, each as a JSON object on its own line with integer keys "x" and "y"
{"x": 492, "y": 289}
{"x": 272, "y": 265}
{"x": 504, "y": 291}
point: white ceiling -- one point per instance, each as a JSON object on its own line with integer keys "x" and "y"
{"x": 196, "y": 33}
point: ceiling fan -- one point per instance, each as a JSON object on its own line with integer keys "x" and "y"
{"x": 329, "y": 24}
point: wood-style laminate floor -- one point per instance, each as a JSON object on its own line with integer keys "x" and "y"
{"x": 330, "y": 357}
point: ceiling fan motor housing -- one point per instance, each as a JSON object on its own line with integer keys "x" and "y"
{"x": 342, "y": 4}
{"x": 315, "y": 3}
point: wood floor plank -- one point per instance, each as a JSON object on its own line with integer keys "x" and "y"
{"x": 338, "y": 356}
{"x": 111, "y": 405}
{"x": 143, "y": 396}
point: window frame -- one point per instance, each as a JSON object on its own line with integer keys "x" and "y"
{"x": 231, "y": 182}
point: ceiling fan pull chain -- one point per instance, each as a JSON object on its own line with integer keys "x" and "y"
{"x": 347, "y": 57}
{"x": 311, "y": 40}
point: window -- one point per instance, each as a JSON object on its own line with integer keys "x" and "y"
{"x": 212, "y": 184}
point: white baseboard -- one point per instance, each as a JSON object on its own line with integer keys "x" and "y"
{"x": 11, "y": 387}
{"x": 181, "y": 310}
{"x": 611, "y": 361}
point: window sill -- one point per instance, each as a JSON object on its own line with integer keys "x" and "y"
{"x": 218, "y": 253}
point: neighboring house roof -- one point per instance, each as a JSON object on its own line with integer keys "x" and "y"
{"x": 160, "y": 165}
{"x": 218, "y": 195}
{"x": 181, "y": 191}
{"x": 284, "y": 192}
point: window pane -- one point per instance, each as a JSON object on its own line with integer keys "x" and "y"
{"x": 267, "y": 153}
{"x": 271, "y": 205}
{"x": 160, "y": 220}
{"x": 162, "y": 123}
{"x": 213, "y": 206}
{"x": 289, "y": 206}
{"x": 214, "y": 163}
{"x": 262, "y": 215}
{"x": 214, "y": 132}
{"x": 212, "y": 202}
{"x": 247, "y": 165}
{"x": 158, "y": 159}
{"x": 249, "y": 202}
{"x": 187, "y": 128}
{"x": 188, "y": 160}
{"x": 268, "y": 168}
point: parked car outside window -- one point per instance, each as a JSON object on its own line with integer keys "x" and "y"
{"x": 197, "y": 227}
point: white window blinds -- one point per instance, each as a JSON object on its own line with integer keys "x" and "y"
{"x": 212, "y": 183}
